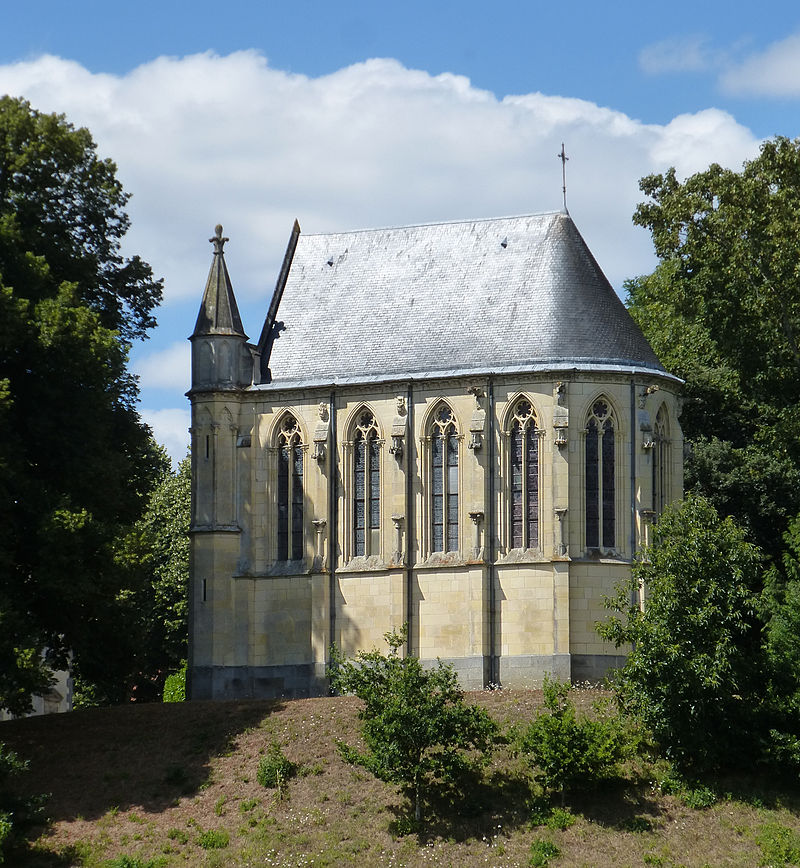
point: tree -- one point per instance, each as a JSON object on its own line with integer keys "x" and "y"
{"x": 76, "y": 461}
{"x": 417, "y": 727}
{"x": 156, "y": 552}
{"x": 571, "y": 751}
{"x": 695, "y": 674}
{"x": 722, "y": 310}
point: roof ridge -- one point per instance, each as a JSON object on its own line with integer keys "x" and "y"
{"x": 438, "y": 223}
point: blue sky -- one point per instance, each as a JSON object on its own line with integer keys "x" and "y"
{"x": 356, "y": 114}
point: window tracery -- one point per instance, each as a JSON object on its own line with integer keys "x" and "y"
{"x": 523, "y": 498}
{"x": 600, "y": 482}
{"x": 290, "y": 490}
{"x": 366, "y": 486}
{"x": 444, "y": 481}
{"x": 660, "y": 462}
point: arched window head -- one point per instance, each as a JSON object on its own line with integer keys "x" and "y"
{"x": 600, "y": 477}
{"x": 290, "y": 490}
{"x": 444, "y": 481}
{"x": 366, "y": 486}
{"x": 524, "y": 477}
{"x": 660, "y": 461}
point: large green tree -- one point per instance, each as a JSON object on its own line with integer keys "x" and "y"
{"x": 722, "y": 310}
{"x": 76, "y": 461}
{"x": 696, "y": 673}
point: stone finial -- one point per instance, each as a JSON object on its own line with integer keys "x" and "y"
{"x": 218, "y": 240}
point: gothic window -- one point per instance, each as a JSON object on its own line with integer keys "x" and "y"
{"x": 660, "y": 462}
{"x": 444, "y": 481}
{"x": 600, "y": 477}
{"x": 524, "y": 478}
{"x": 366, "y": 486}
{"x": 290, "y": 491}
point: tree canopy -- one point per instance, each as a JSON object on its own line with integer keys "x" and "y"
{"x": 722, "y": 311}
{"x": 76, "y": 461}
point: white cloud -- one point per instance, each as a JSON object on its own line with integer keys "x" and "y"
{"x": 207, "y": 139}
{"x": 678, "y": 54}
{"x": 169, "y": 368}
{"x": 773, "y": 72}
{"x": 171, "y": 429}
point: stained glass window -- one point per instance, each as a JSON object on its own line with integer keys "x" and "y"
{"x": 366, "y": 486}
{"x": 524, "y": 478}
{"x": 660, "y": 462}
{"x": 600, "y": 477}
{"x": 444, "y": 481}
{"x": 290, "y": 491}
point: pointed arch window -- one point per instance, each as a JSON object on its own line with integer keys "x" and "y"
{"x": 524, "y": 477}
{"x": 600, "y": 477}
{"x": 290, "y": 491}
{"x": 366, "y": 486}
{"x": 444, "y": 481}
{"x": 660, "y": 462}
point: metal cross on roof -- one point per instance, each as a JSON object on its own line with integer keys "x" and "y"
{"x": 563, "y": 157}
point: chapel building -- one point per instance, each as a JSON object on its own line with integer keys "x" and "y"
{"x": 455, "y": 426}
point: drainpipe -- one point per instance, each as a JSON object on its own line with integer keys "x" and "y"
{"x": 333, "y": 523}
{"x": 494, "y": 674}
{"x": 410, "y": 525}
{"x": 633, "y": 468}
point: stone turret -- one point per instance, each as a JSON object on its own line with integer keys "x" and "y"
{"x": 221, "y": 357}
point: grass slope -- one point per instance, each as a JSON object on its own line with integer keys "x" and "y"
{"x": 176, "y": 785}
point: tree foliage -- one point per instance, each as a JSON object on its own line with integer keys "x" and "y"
{"x": 76, "y": 462}
{"x": 418, "y": 730}
{"x": 695, "y": 674}
{"x": 722, "y": 311}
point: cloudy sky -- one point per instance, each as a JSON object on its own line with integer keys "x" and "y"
{"x": 358, "y": 114}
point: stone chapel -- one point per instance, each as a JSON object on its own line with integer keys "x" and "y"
{"x": 454, "y": 426}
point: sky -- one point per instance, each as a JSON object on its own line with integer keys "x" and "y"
{"x": 349, "y": 115}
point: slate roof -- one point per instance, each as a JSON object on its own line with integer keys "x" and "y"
{"x": 480, "y": 296}
{"x": 219, "y": 313}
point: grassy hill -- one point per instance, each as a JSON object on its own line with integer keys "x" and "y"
{"x": 161, "y": 784}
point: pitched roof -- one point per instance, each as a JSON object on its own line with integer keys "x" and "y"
{"x": 482, "y": 296}
{"x": 219, "y": 313}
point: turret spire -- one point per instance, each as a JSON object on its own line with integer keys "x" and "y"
{"x": 219, "y": 313}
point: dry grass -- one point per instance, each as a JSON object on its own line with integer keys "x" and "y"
{"x": 146, "y": 781}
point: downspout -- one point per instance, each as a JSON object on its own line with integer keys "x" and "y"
{"x": 333, "y": 524}
{"x": 410, "y": 526}
{"x": 633, "y": 469}
{"x": 494, "y": 674}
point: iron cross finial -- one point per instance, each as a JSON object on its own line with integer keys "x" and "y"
{"x": 218, "y": 241}
{"x": 563, "y": 157}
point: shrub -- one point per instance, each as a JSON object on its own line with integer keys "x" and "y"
{"x": 16, "y": 813}
{"x": 542, "y": 851}
{"x": 778, "y": 844}
{"x": 214, "y": 839}
{"x": 418, "y": 729}
{"x": 175, "y": 685}
{"x": 566, "y": 750}
{"x": 274, "y": 768}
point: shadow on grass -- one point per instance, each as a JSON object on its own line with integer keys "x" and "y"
{"x": 99, "y": 759}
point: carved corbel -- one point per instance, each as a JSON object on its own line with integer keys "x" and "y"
{"x": 399, "y": 427}
{"x": 560, "y": 415}
{"x": 321, "y": 433}
{"x": 477, "y": 423}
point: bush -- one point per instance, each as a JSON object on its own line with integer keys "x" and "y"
{"x": 274, "y": 769}
{"x": 16, "y": 813}
{"x": 567, "y": 750}
{"x": 542, "y": 851}
{"x": 175, "y": 685}
{"x": 418, "y": 729}
{"x": 213, "y": 839}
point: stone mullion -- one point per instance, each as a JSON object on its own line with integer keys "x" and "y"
{"x": 348, "y": 482}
